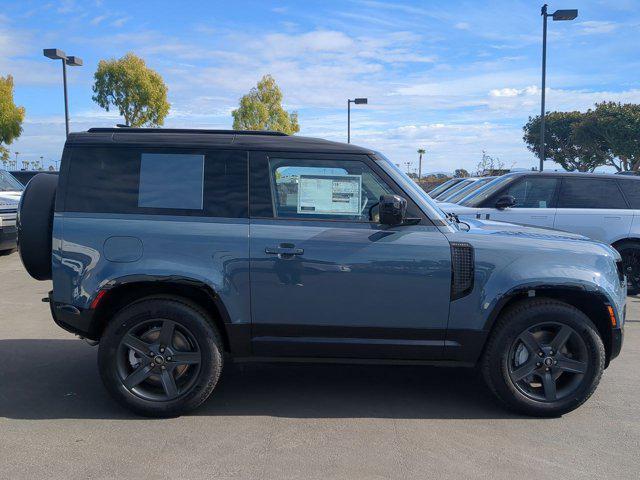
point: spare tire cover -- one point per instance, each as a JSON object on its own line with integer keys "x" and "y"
{"x": 35, "y": 225}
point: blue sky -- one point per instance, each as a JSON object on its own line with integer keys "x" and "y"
{"x": 454, "y": 77}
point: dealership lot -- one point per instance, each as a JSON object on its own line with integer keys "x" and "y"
{"x": 283, "y": 421}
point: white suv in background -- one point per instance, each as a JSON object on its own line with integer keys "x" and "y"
{"x": 602, "y": 207}
{"x": 10, "y": 192}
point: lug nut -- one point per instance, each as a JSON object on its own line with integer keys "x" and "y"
{"x": 540, "y": 354}
{"x": 168, "y": 358}
{"x": 161, "y": 349}
{"x": 153, "y": 364}
{"x": 163, "y": 367}
{"x": 538, "y": 364}
{"x": 551, "y": 352}
{"x": 547, "y": 369}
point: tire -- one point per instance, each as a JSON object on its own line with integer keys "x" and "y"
{"x": 630, "y": 253}
{"x": 541, "y": 324}
{"x": 35, "y": 225}
{"x": 141, "y": 325}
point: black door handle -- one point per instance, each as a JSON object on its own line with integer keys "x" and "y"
{"x": 284, "y": 250}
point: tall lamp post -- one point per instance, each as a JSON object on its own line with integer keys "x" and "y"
{"x": 56, "y": 54}
{"x": 558, "y": 15}
{"x": 357, "y": 101}
{"x": 421, "y": 151}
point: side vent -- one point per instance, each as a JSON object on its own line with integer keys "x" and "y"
{"x": 462, "y": 269}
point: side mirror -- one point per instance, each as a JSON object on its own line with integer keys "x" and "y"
{"x": 505, "y": 201}
{"x": 393, "y": 209}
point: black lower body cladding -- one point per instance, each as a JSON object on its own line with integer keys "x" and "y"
{"x": 35, "y": 225}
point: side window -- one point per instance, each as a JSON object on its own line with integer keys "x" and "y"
{"x": 325, "y": 189}
{"x": 131, "y": 180}
{"x": 590, "y": 193}
{"x": 631, "y": 189}
{"x": 532, "y": 192}
{"x": 171, "y": 180}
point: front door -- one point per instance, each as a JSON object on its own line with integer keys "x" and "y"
{"x": 535, "y": 202}
{"x": 326, "y": 279}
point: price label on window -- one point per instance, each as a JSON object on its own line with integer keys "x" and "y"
{"x": 329, "y": 194}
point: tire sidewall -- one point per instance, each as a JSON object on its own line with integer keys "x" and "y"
{"x": 186, "y": 316}
{"x": 498, "y": 358}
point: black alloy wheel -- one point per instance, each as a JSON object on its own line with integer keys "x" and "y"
{"x": 161, "y": 356}
{"x": 158, "y": 360}
{"x": 548, "y": 361}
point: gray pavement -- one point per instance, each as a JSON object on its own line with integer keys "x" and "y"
{"x": 280, "y": 421}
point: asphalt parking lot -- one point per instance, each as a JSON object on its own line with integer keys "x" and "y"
{"x": 283, "y": 421}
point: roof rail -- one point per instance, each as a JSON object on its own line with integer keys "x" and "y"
{"x": 185, "y": 130}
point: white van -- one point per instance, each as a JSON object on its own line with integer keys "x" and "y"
{"x": 10, "y": 192}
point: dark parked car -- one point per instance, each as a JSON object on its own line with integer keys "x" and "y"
{"x": 24, "y": 176}
{"x": 179, "y": 249}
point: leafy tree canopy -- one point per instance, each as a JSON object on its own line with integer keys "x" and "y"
{"x": 137, "y": 91}
{"x": 460, "y": 173}
{"x": 615, "y": 129}
{"x": 11, "y": 116}
{"x": 562, "y": 144}
{"x": 261, "y": 109}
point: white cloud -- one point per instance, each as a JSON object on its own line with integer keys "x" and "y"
{"x": 462, "y": 26}
{"x": 596, "y": 27}
{"x": 98, "y": 20}
{"x": 119, "y": 22}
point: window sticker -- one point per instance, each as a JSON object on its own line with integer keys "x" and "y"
{"x": 329, "y": 194}
{"x": 542, "y": 204}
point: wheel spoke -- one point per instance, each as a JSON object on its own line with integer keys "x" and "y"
{"x": 166, "y": 333}
{"x": 137, "y": 376}
{"x": 169, "y": 384}
{"x": 569, "y": 365}
{"x": 185, "y": 358}
{"x": 561, "y": 338}
{"x": 136, "y": 344}
{"x": 530, "y": 342}
{"x": 549, "y": 385}
{"x": 526, "y": 369}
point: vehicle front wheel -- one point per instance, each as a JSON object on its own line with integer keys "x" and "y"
{"x": 160, "y": 357}
{"x": 544, "y": 358}
{"x": 630, "y": 253}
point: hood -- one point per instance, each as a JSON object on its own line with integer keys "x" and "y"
{"x": 491, "y": 227}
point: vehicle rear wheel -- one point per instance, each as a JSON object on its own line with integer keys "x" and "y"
{"x": 160, "y": 357}
{"x": 630, "y": 253}
{"x": 544, "y": 358}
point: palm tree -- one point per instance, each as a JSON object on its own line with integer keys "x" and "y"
{"x": 421, "y": 151}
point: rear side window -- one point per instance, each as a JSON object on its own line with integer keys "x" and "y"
{"x": 631, "y": 189}
{"x": 149, "y": 181}
{"x": 532, "y": 192}
{"x": 169, "y": 180}
{"x": 590, "y": 193}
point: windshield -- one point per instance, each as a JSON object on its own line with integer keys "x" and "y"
{"x": 8, "y": 183}
{"x": 479, "y": 196}
{"x": 443, "y": 186}
{"x": 421, "y": 196}
{"x": 456, "y": 188}
{"x": 468, "y": 190}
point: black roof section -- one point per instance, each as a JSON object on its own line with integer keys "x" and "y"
{"x": 548, "y": 173}
{"x": 225, "y": 139}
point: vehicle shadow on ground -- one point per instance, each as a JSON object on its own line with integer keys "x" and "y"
{"x": 47, "y": 379}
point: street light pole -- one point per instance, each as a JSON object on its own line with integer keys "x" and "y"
{"x": 544, "y": 82}
{"x": 55, "y": 54}
{"x": 357, "y": 101}
{"x": 558, "y": 15}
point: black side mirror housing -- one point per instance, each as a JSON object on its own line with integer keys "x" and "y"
{"x": 505, "y": 201}
{"x": 393, "y": 209}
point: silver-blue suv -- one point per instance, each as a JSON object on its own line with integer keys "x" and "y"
{"x": 178, "y": 250}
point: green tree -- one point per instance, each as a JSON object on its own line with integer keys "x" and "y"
{"x": 11, "y": 117}
{"x": 137, "y": 91}
{"x": 562, "y": 144}
{"x": 614, "y": 128}
{"x": 261, "y": 109}
{"x": 460, "y": 173}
